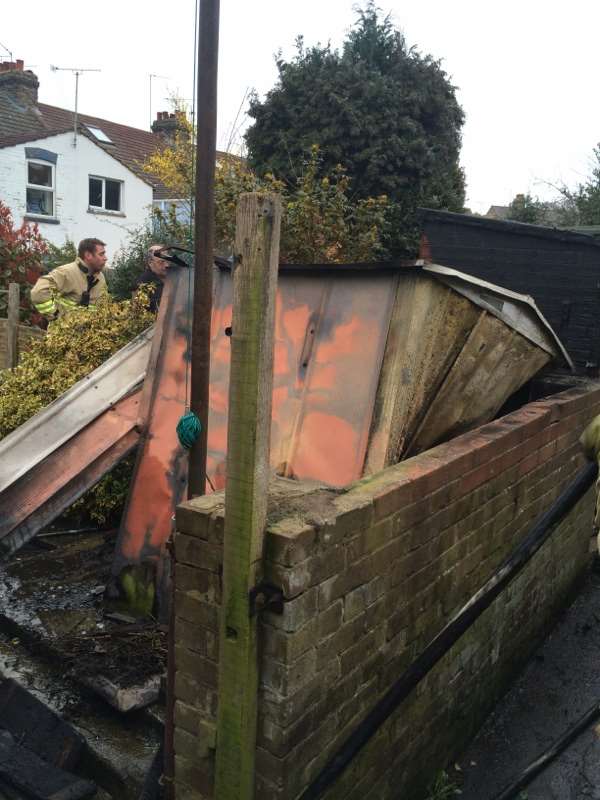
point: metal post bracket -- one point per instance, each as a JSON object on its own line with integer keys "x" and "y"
{"x": 265, "y": 597}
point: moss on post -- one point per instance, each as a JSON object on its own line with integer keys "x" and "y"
{"x": 249, "y": 425}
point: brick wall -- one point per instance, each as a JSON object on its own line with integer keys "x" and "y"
{"x": 370, "y": 575}
{"x": 26, "y": 334}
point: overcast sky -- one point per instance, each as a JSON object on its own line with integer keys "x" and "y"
{"x": 526, "y": 72}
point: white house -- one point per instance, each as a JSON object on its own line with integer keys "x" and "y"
{"x": 74, "y": 184}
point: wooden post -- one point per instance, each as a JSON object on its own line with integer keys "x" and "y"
{"x": 248, "y": 441}
{"x": 12, "y": 326}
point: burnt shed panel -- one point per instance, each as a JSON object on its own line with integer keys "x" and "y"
{"x": 559, "y": 269}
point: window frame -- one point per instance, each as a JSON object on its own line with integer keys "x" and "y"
{"x": 102, "y": 209}
{"x": 104, "y": 137}
{"x": 49, "y": 189}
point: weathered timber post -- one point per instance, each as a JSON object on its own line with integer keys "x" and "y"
{"x": 248, "y": 441}
{"x": 12, "y": 326}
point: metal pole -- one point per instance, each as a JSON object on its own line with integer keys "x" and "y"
{"x": 206, "y": 145}
{"x": 75, "y": 115}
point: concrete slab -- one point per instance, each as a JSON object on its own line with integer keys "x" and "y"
{"x": 120, "y": 749}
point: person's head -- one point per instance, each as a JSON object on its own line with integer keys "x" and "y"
{"x": 93, "y": 254}
{"x": 156, "y": 264}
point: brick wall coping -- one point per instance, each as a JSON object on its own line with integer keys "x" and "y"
{"x": 305, "y": 514}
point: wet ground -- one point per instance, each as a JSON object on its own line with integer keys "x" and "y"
{"x": 120, "y": 748}
{"x": 55, "y": 641}
{"x": 52, "y": 593}
{"x": 560, "y": 683}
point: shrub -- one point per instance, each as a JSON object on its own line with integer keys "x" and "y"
{"x": 75, "y": 345}
{"x": 57, "y": 256}
{"x": 128, "y": 263}
{"x": 21, "y": 254}
{"x": 322, "y": 220}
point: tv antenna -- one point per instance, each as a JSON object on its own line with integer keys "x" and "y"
{"x": 77, "y": 71}
{"x": 150, "y": 76}
{"x": 4, "y": 47}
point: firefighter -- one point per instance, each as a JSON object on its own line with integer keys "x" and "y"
{"x": 80, "y": 283}
{"x": 153, "y": 275}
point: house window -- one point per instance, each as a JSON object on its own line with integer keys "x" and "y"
{"x": 105, "y": 194}
{"x": 40, "y": 188}
{"x": 181, "y": 209}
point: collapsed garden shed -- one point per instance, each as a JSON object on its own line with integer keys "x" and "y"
{"x": 373, "y": 363}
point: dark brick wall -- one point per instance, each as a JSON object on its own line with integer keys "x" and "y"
{"x": 559, "y": 269}
{"x": 369, "y": 576}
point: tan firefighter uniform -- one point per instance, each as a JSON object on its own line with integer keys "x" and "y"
{"x": 67, "y": 287}
{"x": 590, "y": 441}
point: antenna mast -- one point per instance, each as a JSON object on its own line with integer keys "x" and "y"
{"x": 77, "y": 71}
{"x": 4, "y": 47}
{"x": 150, "y": 76}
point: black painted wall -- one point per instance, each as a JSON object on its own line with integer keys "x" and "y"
{"x": 559, "y": 269}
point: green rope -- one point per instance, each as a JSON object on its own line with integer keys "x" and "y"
{"x": 188, "y": 429}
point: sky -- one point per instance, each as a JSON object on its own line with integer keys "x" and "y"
{"x": 526, "y": 72}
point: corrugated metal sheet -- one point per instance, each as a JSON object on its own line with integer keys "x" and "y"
{"x": 160, "y": 474}
{"x": 52, "y": 485}
{"x": 41, "y": 435}
{"x": 330, "y": 334}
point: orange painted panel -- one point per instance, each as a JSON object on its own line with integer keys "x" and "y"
{"x": 160, "y": 475}
{"x": 330, "y": 333}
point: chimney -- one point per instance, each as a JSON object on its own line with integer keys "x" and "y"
{"x": 167, "y": 125}
{"x": 19, "y": 84}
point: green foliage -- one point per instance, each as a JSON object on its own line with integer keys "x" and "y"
{"x": 584, "y": 200}
{"x": 232, "y": 178}
{"x": 380, "y": 108}
{"x": 525, "y": 208}
{"x": 128, "y": 263}
{"x": 21, "y": 253}
{"x": 323, "y": 220}
{"x": 442, "y": 788}
{"x": 322, "y": 223}
{"x": 571, "y": 208}
{"x": 104, "y": 502}
{"x": 57, "y": 256}
{"x": 75, "y": 345}
{"x": 551, "y": 213}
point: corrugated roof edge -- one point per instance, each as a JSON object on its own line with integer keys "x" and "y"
{"x": 520, "y": 228}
